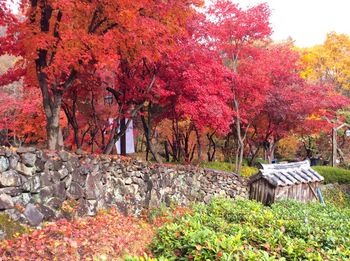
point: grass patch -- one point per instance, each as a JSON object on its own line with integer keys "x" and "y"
{"x": 230, "y": 167}
{"x": 333, "y": 174}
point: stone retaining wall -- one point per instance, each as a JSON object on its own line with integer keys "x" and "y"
{"x": 35, "y": 183}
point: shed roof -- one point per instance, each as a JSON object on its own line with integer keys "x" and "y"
{"x": 287, "y": 174}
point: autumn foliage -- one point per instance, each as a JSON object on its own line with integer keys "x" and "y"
{"x": 194, "y": 79}
{"x": 107, "y": 235}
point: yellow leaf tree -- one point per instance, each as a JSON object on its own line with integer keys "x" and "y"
{"x": 329, "y": 63}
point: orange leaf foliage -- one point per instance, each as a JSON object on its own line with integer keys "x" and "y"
{"x": 108, "y": 234}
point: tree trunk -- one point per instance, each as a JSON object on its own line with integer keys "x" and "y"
{"x": 54, "y": 132}
{"x": 72, "y": 119}
{"x": 253, "y": 157}
{"x": 271, "y": 151}
{"x": 212, "y": 144}
{"x": 150, "y": 146}
{"x": 166, "y": 150}
{"x": 115, "y": 137}
{"x": 226, "y": 148}
{"x": 123, "y": 137}
{"x": 240, "y": 140}
{"x": 199, "y": 145}
{"x": 52, "y": 107}
{"x": 111, "y": 143}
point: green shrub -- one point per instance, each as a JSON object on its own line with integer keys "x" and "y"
{"x": 11, "y": 228}
{"x": 246, "y": 230}
{"x": 336, "y": 195}
{"x": 230, "y": 167}
{"x": 248, "y": 171}
{"x": 333, "y": 175}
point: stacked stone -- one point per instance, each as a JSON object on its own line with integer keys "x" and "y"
{"x": 35, "y": 183}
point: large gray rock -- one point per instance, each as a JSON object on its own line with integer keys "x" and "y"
{"x": 64, "y": 155}
{"x": 24, "y": 170}
{"x": 48, "y": 212}
{"x": 93, "y": 187}
{"x": 63, "y": 173}
{"x": 59, "y": 190}
{"x": 32, "y": 185}
{"x": 91, "y": 207}
{"x": 49, "y": 165}
{"x": 5, "y": 202}
{"x": 28, "y": 159}
{"x": 22, "y": 199}
{"x": 21, "y": 150}
{"x": 33, "y": 215}
{"x": 79, "y": 178}
{"x": 45, "y": 179}
{"x": 46, "y": 193}
{"x": 75, "y": 191}
{"x": 55, "y": 203}
{"x": 13, "y": 159}
{"x": 12, "y": 191}
{"x": 10, "y": 178}
{"x": 4, "y": 163}
{"x": 82, "y": 207}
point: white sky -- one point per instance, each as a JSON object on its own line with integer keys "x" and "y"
{"x": 306, "y": 21}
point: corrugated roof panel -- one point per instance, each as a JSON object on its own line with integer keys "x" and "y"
{"x": 319, "y": 177}
{"x": 304, "y": 176}
{"x": 284, "y": 179}
{"x": 288, "y": 174}
{"x": 273, "y": 180}
{"x": 310, "y": 174}
{"x": 290, "y": 177}
{"x": 297, "y": 177}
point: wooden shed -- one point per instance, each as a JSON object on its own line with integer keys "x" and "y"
{"x": 275, "y": 182}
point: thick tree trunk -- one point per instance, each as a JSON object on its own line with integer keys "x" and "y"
{"x": 52, "y": 108}
{"x": 52, "y": 105}
{"x": 54, "y": 132}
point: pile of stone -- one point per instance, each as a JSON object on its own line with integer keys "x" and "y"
{"x": 35, "y": 183}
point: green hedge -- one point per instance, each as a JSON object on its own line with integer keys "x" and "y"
{"x": 246, "y": 230}
{"x": 333, "y": 175}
